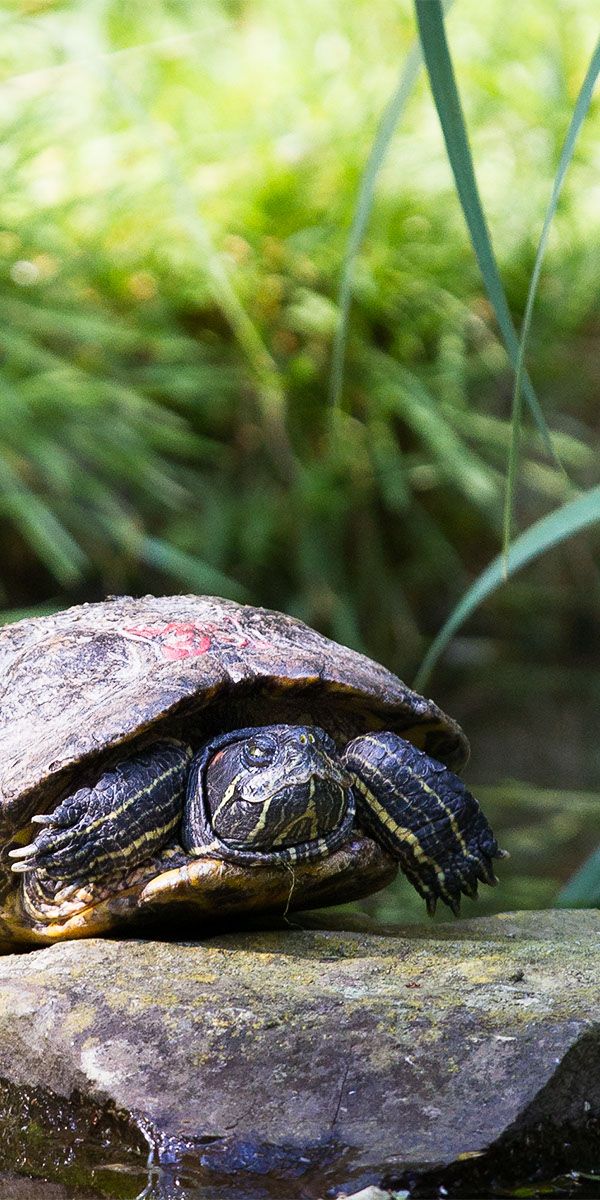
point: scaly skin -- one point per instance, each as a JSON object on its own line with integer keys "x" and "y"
{"x": 423, "y": 813}
{"x": 272, "y": 795}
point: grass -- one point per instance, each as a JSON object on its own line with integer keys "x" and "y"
{"x": 560, "y": 525}
{"x": 168, "y": 303}
{"x": 180, "y": 183}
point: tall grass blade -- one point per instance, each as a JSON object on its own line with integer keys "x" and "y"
{"x": 550, "y": 531}
{"x": 583, "y": 888}
{"x": 430, "y": 19}
{"x": 364, "y": 203}
{"x": 579, "y": 113}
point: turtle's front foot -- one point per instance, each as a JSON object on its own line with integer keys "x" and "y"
{"x": 423, "y": 813}
{"x": 129, "y": 814}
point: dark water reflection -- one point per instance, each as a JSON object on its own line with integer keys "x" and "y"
{"x": 121, "y": 1184}
{"x": 150, "y": 1186}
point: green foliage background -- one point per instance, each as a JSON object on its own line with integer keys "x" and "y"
{"x": 178, "y": 185}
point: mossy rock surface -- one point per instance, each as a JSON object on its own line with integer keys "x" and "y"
{"x": 333, "y": 1055}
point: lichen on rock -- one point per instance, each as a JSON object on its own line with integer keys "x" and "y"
{"x": 357, "y": 1053}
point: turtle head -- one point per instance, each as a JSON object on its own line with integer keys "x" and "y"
{"x": 277, "y": 791}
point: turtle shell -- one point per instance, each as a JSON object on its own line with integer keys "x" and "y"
{"x": 80, "y": 684}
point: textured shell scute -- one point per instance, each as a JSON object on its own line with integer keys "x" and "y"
{"x": 81, "y": 681}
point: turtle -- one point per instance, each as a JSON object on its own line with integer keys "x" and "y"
{"x": 184, "y": 761}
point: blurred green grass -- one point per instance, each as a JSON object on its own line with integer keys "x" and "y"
{"x": 178, "y": 185}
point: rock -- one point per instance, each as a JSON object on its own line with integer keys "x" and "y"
{"x": 327, "y": 1059}
{"x": 15, "y": 1187}
{"x": 368, "y": 1193}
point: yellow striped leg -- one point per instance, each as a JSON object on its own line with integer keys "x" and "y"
{"x": 422, "y": 813}
{"x": 133, "y": 810}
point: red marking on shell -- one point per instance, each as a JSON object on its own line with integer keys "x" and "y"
{"x": 188, "y": 639}
{"x": 176, "y": 639}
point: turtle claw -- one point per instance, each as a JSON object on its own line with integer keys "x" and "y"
{"x": 469, "y": 888}
{"x": 25, "y": 856}
{"x": 460, "y": 876}
{"x": 485, "y": 872}
{"x": 23, "y": 851}
{"x": 431, "y": 897}
{"x": 43, "y": 819}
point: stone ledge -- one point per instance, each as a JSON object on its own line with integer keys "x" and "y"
{"x": 348, "y": 1056}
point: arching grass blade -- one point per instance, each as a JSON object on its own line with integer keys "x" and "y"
{"x": 445, "y": 93}
{"x": 550, "y": 531}
{"x": 579, "y": 113}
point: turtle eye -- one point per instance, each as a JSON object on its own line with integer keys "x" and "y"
{"x": 259, "y": 754}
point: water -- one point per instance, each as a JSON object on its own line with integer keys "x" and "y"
{"x": 118, "y": 1182}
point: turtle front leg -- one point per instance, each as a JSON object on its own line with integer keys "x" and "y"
{"x": 130, "y": 813}
{"x": 420, "y": 811}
